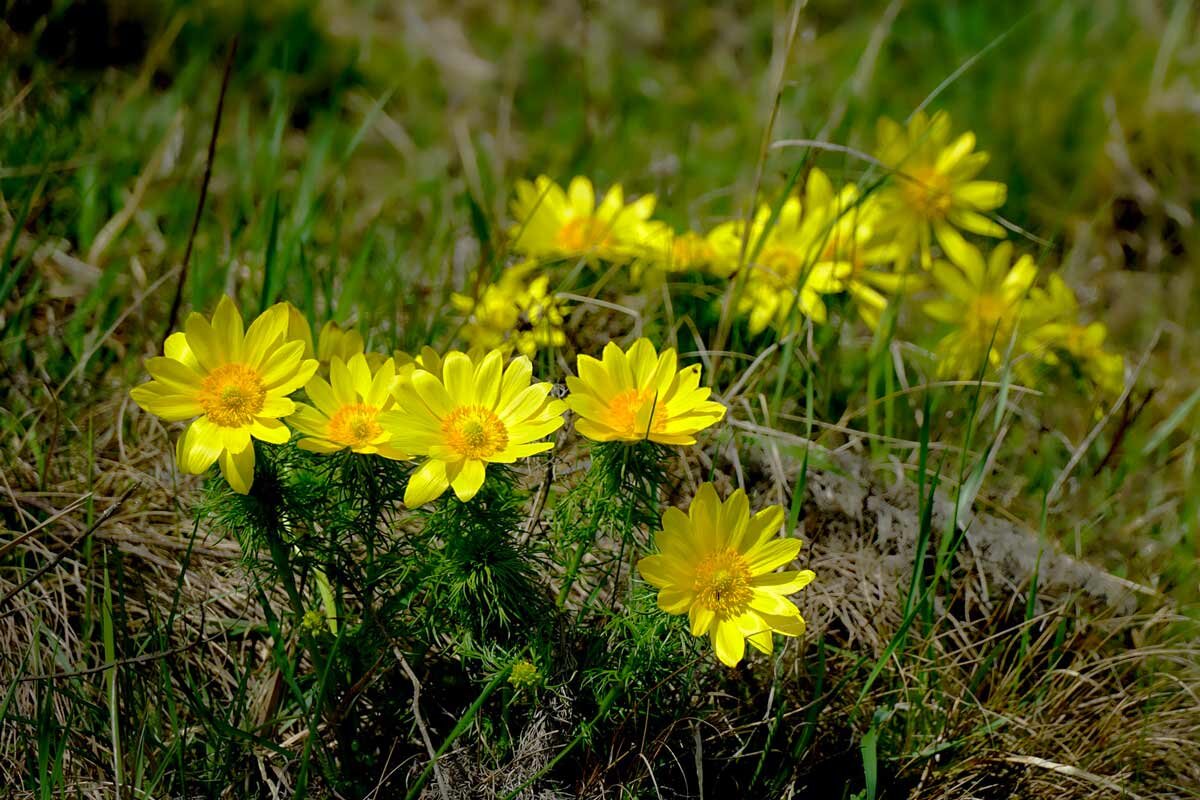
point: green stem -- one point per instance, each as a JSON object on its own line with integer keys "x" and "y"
{"x": 605, "y": 704}
{"x": 459, "y": 728}
{"x": 573, "y": 570}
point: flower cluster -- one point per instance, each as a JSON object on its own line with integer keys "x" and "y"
{"x": 898, "y": 231}
{"x": 517, "y": 312}
{"x": 454, "y": 415}
{"x": 826, "y": 253}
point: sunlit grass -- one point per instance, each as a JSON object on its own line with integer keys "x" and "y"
{"x": 965, "y": 526}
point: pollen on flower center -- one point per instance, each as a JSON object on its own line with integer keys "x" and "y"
{"x": 355, "y": 425}
{"x": 582, "y": 233}
{"x": 928, "y": 192}
{"x": 231, "y": 395}
{"x": 474, "y": 432}
{"x": 626, "y": 406}
{"x": 722, "y": 582}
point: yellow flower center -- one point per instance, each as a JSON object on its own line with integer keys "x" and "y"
{"x": 781, "y": 265}
{"x": 1075, "y": 340}
{"x": 987, "y": 316}
{"x": 722, "y": 582}
{"x": 355, "y": 426}
{"x": 582, "y": 234}
{"x": 928, "y": 192}
{"x": 989, "y": 308}
{"x": 625, "y": 407}
{"x": 231, "y": 395}
{"x": 474, "y": 432}
{"x": 689, "y": 251}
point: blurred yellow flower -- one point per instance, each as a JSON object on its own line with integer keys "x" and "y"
{"x": 663, "y": 250}
{"x": 793, "y": 267}
{"x": 1061, "y": 340}
{"x": 514, "y": 313}
{"x": 983, "y": 303}
{"x": 849, "y": 231}
{"x": 716, "y": 564}
{"x": 467, "y": 415}
{"x": 236, "y": 381}
{"x": 934, "y": 192}
{"x": 637, "y": 395}
{"x": 346, "y": 409}
{"x": 428, "y": 359}
{"x": 334, "y": 341}
{"x": 551, "y": 223}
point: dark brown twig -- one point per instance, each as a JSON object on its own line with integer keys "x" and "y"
{"x": 212, "y": 150}
{"x": 443, "y": 787}
{"x": 124, "y": 662}
{"x": 1127, "y": 420}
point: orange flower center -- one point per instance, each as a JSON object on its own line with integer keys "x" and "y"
{"x": 722, "y": 582}
{"x": 582, "y": 234}
{"x": 231, "y": 395}
{"x": 928, "y": 192}
{"x": 355, "y": 426}
{"x": 474, "y": 432}
{"x": 625, "y": 408}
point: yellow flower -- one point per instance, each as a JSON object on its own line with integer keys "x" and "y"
{"x": 1058, "y": 333}
{"x": 983, "y": 305}
{"x": 716, "y": 564}
{"x": 934, "y": 190}
{"x": 298, "y": 329}
{"x": 333, "y": 341}
{"x": 551, "y": 223}
{"x": 466, "y": 415}
{"x": 794, "y": 265}
{"x": 637, "y": 395}
{"x": 664, "y": 250}
{"x": 428, "y": 359}
{"x": 514, "y": 313}
{"x": 236, "y": 381}
{"x": 850, "y": 233}
{"x": 346, "y": 409}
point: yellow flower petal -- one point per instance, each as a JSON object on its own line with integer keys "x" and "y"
{"x": 729, "y": 642}
{"x": 165, "y": 402}
{"x": 427, "y": 483}
{"x": 469, "y": 480}
{"x": 772, "y": 555}
{"x": 270, "y": 430}
{"x": 198, "y": 448}
{"x": 238, "y": 468}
